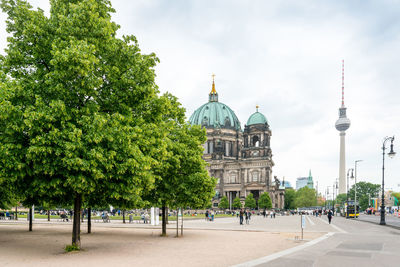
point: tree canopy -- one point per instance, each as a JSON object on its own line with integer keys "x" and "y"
{"x": 306, "y": 197}
{"x": 250, "y": 202}
{"x": 223, "y": 203}
{"x": 264, "y": 201}
{"x": 290, "y": 197}
{"x": 364, "y": 190}
{"x": 236, "y": 203}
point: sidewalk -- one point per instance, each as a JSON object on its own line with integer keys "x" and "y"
{"x": 390, "y": 220}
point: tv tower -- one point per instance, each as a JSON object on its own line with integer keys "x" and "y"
{"x": 342, "y": 124}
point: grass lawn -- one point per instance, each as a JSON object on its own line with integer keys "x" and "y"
{"x": 172, "y": 218}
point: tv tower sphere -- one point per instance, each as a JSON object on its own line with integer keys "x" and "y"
{"x": 343, "y": 123}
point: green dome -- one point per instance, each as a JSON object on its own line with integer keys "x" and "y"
{"x": 215, "y": 115}
{"x": 257, "y": 118}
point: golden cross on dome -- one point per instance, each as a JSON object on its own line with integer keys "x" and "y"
{"x": 213, "y": 75}
{"x": 257, "y": 106}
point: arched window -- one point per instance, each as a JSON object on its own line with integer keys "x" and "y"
{"x": 233, "y": 178}
{"x": 256, "y": 141}
{"x": 227, "y": 121}
{"x": 205, "y": 121}
{"x": 254, "y": 177}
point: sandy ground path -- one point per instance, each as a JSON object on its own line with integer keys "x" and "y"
{"x": 223, "y": 245}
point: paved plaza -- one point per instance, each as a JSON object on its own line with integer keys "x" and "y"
{"x": 264, "y": 242}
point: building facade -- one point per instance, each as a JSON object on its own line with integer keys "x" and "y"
{"x": 305, "y": 181}
{"x": 241, "y": 160}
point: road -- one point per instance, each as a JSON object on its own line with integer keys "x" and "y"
{"x": 359, "y": 244}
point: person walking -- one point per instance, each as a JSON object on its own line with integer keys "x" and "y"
{"x": 329, "y": 216}
{"x": 241, "y": 213}
{"x": 247, "y": 215}
{"x": 206, "y": 215}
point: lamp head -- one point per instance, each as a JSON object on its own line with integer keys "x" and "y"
{"x": 391, "y": 154}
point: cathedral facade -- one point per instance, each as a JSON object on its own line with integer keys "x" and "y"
{"x": 241, "y": 160}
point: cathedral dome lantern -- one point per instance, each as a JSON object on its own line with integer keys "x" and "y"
{"x": 215, "y": 114}
{"x": 257, "y": 118}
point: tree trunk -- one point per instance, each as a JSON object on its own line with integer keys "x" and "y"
{"x": 76, "y": 229}
{"x": 82, "y": 215}
{"x": 89, "y": 220}
{"x": 164, "y": 220}
{"x": 30, "y": 219}
{"x": 177, "y": 222}
{"x": 16, "y": 213}
{"x": 166, "y": 210}
{"x": 48, "y": 215}
{"x": 182, "y": 224}
{"x": 123, "y": 216}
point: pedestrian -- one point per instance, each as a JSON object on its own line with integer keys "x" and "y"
{"x": 247, "y": 215}
{"x": 274, "y": 214}
{"x": 206, "y": 215}
{"x": 241, "y": 213}
{"x": 264, "y": 213}
{"x": 329, "y": 216}
{"x": 212, "y": 215}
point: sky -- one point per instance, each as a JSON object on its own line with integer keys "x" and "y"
{"x": 286, "y": 57}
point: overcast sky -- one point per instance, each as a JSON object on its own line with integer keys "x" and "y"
{"x": 284, "y": 56}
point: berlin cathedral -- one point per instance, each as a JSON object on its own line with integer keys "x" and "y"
{"x": 241, "y": 160}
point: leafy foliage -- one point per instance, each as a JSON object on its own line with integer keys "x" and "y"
{"x": 290, "y": 199}
{"x": 363, "y": 190}
{"x": 306, "y": 197}
{"x": 236, "y": 203}
{"x": 223, "y": 203}
{"x": 80, "y": 116}
{"x": 250, "y": 202}
{"x": 264, "y": 201}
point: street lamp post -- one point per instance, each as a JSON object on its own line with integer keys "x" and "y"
{"x": 391, "y": 154}
{"x": 347, "y": 192}
{"x": 355, "y": 187}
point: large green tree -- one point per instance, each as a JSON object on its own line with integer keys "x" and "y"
{"x": 290, "y": 197}
{"x": 364, "y": 190}
{"x": 76, "y": 114}
{"x": 237, "y": 204}
{"x": 305, "y": 197}
{"x": 264, "y": 201}
{"x": 250, "y": 202}
{"x": 223, "y": 203}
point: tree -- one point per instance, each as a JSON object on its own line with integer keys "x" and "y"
{"x": 264, "y": 201}
{"x": 305, "y": 197}
{"x": 250, "y": 202}
{"x": 182, "y": 179}
{"x": 341, "y": 198}
{"x": 76, "y": 109}
{"x": 364, "y": 190}
{"x": 237, "y": 204}
{"x": 290, "y": 196}
{"x": 223, "y": 203}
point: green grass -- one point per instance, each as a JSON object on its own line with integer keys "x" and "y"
{"x": 172, "y": 218}
{"x": 73, "y": 247}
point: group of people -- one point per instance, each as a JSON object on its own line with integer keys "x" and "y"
{"x": 246, "y": 214}
{"x": 210, "y": 215}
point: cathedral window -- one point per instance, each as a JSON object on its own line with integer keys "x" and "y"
{"x": 254, "y": 176}
{"x": 256, "y": 141}
{"x": 233, "y": 178}
{"x": 227, "y": 122}
{"x": 205, "y": 121}
{"x": 211, "y": 145}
